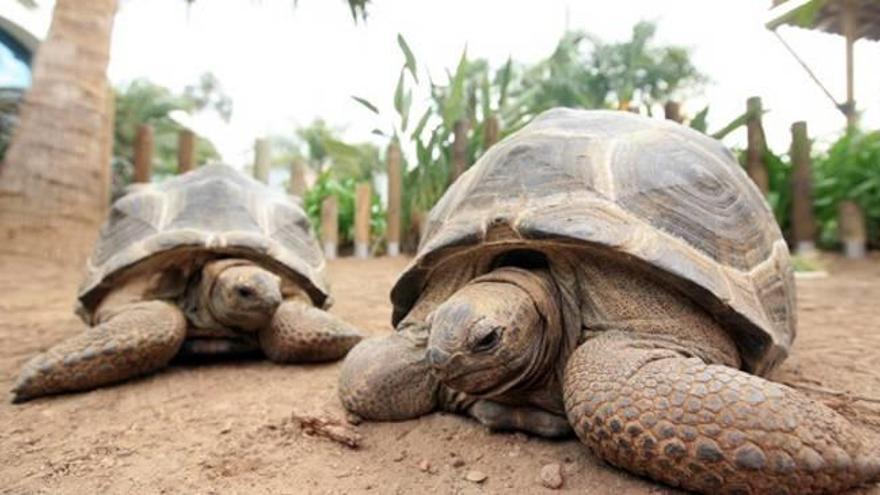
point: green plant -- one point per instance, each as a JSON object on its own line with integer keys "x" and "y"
{"x": 849, "y": 170}
{"x": 344, "y": 191}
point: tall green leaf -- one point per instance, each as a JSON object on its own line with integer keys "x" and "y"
{"x": 366, "y": 103}
{"x": 408, "y": 55}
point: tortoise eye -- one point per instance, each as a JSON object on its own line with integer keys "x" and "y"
{"x": 488, "y": 341}
{"x": 245, "y": 292}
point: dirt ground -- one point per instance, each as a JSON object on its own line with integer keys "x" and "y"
{"x": 225, "y": 427}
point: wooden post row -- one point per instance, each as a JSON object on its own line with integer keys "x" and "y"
{"x": 186, "y": 151}
{"x": 395, "y": 191}
{"x": 362, "y": 220}
{"x": 803, "y": 224}
{"x": 261, "y": 160}
{"x": 143, "y": 153}
{"x": 330, "y": 227}
{"x": 755, "y": 166}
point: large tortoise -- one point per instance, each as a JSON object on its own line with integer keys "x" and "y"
{"x": 210, "y": 262}
{"x": 620, "y": 277}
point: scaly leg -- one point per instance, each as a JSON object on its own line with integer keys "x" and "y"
{"x": 707, "y": 428}
{"x": 388, "y": 379}
{"x": 140, "y": 338}
{"x": 300, "y": 332}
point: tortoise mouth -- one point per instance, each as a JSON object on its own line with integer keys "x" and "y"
{"x": 216, "y": 345}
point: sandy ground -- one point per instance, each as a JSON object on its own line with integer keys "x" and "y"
{"x": 226, "y": 428}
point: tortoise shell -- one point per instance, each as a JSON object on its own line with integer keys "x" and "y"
{"x": 213, "y": 211}
{"x": 664, "y": 196}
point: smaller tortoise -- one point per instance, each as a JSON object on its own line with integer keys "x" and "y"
{"x": 620, "y": 278}
{"x": 208, "y": 262}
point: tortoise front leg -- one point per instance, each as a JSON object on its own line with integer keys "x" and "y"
{"x": 137, "y": 339}
{"x": 502, "y": 417}
{"x": 300, "y": 332}
{"x": 707, "y": 428}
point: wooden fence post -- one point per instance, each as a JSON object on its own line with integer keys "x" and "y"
{"x": 755, "y": 166}
{"x": 262, "y": 148}
{"x": 143, "y": 153}
{"x": 107, "y": 154}
{"x": 395, "y": 192}
{"x": 459, "y": 148}
{"x": 297, "y": 184}
{"x": 851, "y": 229}
{"x": 672, "y": 111}
{"x": 186, "y": 151}
{"x": 491, "y": 132}
{"x": 362, "y": 205}
{"x": 803, "y": 225}
{"x": 330, "y": 227}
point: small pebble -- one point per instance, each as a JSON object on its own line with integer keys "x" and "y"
{"x": 551, "y": 476}
{"x": 476, "y": 476}
{"x": 425, "y": 466}
{"x": 399, "y": 456}
{"x": 457, "y": 463}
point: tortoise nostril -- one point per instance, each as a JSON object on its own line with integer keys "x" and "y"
{"x": 437, "y": 358}
{"x": 245, "y": 292}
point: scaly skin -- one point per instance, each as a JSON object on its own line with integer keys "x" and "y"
{"x": 300, "y": 332}
{"x": 705, "y": 427}
{"x": 139, "y": 338}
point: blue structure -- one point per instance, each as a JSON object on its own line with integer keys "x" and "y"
{"x": 17, "y": 47}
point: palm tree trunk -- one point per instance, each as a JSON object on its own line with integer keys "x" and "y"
{"x": 54, "y": 180}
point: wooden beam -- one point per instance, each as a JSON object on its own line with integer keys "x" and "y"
{"x": 672, "y": 111}
{"x": 491, "y": 132}
{"x": 755, "y": 166}
{"x": 803, "y": 224}
{"x": 262, "y": 159}
{"x": 186, "y": 151}
{"x": 363, "y": 195}
{"x": 296, "y": 186}
{"x": 851, "y": 229}
{"x": 849, "y": 13}
{"x": 459, "y": 148}
{"x": 330, "y": 227}
{"x": 143, "y": 153}
{"x": 395, "y": 196}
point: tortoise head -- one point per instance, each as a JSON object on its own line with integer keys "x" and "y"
{"x": 491, "y": 334}
{"x": 243, "y": 295}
